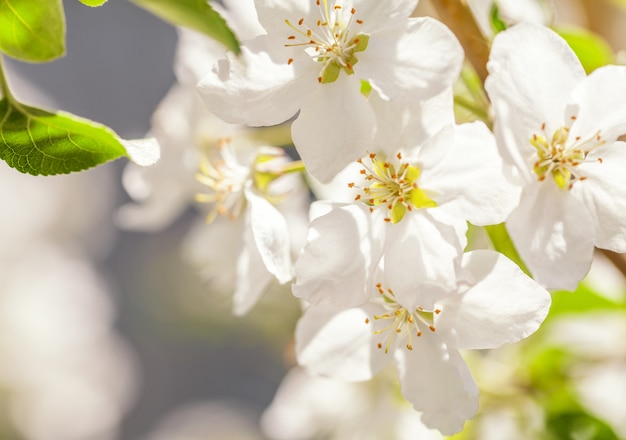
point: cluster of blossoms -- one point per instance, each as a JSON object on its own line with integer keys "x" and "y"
{"x": 383, "y": 268}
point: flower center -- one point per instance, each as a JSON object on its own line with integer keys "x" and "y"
{"x": 226, "y": 178}
{"x": 329, "y": 40}
{"x": 393, "y": 186}
{"x": 559, "y": 160}
{"x": 401, "y": 322}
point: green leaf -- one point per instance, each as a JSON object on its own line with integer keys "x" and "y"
{"x": 592, "y": 50}
{"x": 37, "y": 141}
{"x": 583, "y": 300}
{"x": 497, "y": 24}
{"x": 502, "y": 243}
{"x": 32, "y": 31}
{"x": 194, "y": 14}
{"x": 93, "y": 3}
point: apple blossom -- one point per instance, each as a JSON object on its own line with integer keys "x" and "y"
{"x": 406, "y": 208}
{"x": 492, "y": 303}
{"x": 245, "y": 184}
{"x": 558, "y": 131}
{"x": 315, "y": 58}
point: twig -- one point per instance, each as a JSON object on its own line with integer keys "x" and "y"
{"x": 458, "y": 17}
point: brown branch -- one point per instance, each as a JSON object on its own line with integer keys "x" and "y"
{"x": 458, "y": 17}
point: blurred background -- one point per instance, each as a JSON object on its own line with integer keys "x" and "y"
{"x": 111, "y": 334}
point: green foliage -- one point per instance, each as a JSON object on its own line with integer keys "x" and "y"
{"x": 32, "y": 31}
{"x": 592, "y": 50}
{"x": 93, "y": 3}
{"x": 502, "y": 243}
{"x": 194, "y": 14}
{"x": 37, "y": 141}
{"x": 583, "y": 300}
{"x": 497, "y": 24}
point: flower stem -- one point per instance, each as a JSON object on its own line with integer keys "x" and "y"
{"x": 458, "y": 17}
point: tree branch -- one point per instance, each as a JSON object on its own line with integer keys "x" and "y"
{"x": 458, "y": 17}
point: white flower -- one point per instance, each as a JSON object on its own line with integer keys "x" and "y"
{"x": 242, "y": 186}
{"x": 558, "y": 131}
{"x": 314, "y": 58}
{"x": 493, "y": 303}
{"x": 412, "y": 208}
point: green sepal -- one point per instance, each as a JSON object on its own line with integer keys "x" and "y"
{"x": 198, "y": 15}
{"x": 41, "y": 142}
{"x": 32, "y": 31}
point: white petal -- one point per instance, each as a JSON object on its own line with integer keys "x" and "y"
{"x": 603, "y": 193}
{"x": 532, "y": 72}
{"x": 416, "y": 62}
{"x": 554, "y": 234}
{"x": 143, "y": 152}
{"x": 403, "y": 126}
{"x": 420, "y": 258}
{"x": 469, "y": 181}
{"x": 271, "y": 236}
{"x": 535, "y": 71}
{"x": 335, "y": 127}
{"x": 338, "y": 344}
{"x": 273, "y": 13}
{"x": 378, "y": 15}
{"x": 435, "y": 379}
{"x": 501, "y": 306}
{"x": 343, "y": 249}
{"x": 598, "y": 104}
{"x": 254, "y": 89}
{"x": 253, "y": 277}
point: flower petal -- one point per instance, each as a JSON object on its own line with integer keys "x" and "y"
{"x": 413, "y": 62}
{"x": 343, "y": 249}
{"x": 271, "y": 236}
{"x": 554, "y": 234}
{"x": 403, "y": 126}
{"x": 469, "y": 181}
{"x": 435, "y": 379}
{"x": 253, "y": 277}
{"x": 598, "y": 104}
{"x": 502, "y": 304}
{"x": 273, "y": 13}
{"x": 378, "y": 15}
{"x": 338, "y": 344}
{"x": 143, "y": 152}
{"x": 420, "y": 258}
{"x": 532, "y": 72}
{"x": 255, "y": 90}
{"x": 603, "y": 194}
{"x": 335, "y": 127}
